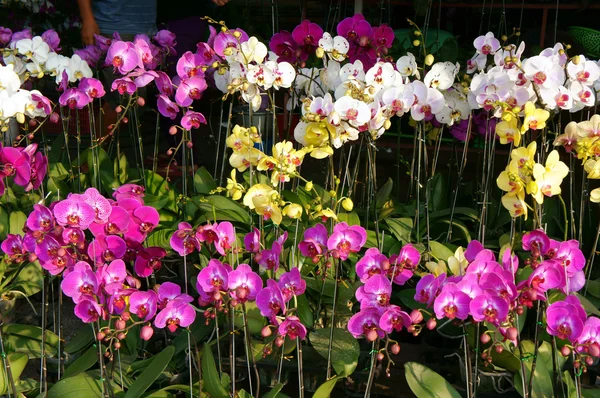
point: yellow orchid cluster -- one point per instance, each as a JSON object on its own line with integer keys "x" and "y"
{"x": 456, "y": 264}
{"x": 318, "y": 138}
{"x": 584, "y": 139}
{"x": 242, "y": 141}
{"x": 510, "y": 130}
{"x": 524, "y": 176}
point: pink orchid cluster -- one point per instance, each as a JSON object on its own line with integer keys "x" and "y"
{"x": 377, "y": 315}
{"x": 26, "y": 165}
{"x": 97, "y": 245}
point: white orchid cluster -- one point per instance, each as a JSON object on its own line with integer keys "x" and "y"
{"x": 34, "y": 58}
{"x": 251, "y": 70}
{"x": 550, "y": 78}
{"x": 28, "y": 59}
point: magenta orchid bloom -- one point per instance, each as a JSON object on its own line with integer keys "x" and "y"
{"x": 175, "y": 314}
{"x": 269, "y": 258}
{"x": 112, "y": 276}
{"x": 53, "y": 257}
{"x": 192, "y": 120}
{"x": 252, "y": 241}
{"x": 129, "y": 191}
{"x": 5, "y": 35}
{"x": 365, "y": 323}
{"x": 88, "y": 310}
{"x": 166, "y": 107}
{"x": 292, "y": 284}
{"x": 14, "y": 248}
{"x": 166, "y": 39}
{"x": 74, "y": 98}
{"x": 452, "y": 303}
{"x": 144, "y": 219}
{"x": 502, "y": 284}
{"x": 372, "y": 263}
{"x": 489, "y": 308}
{"x": 383, "y": 38}
{"x": 292, "y": 328}
{"x": 308, "y": 34}
{"x": 244, "y": 284}
{"x": 169, "y": 291}
{"x": 225, "y": 237}
{"x": 116, "y": 224}
{"x": 117, "y": 301}
{"x": 74, "y": 213}
{"x": 40, "y": 219}
{"x": 80, "y": 283}
{"x": 14, "y": 163}
{"x": 184, "y": 240}
{"x": 123, "y": 56}
{"x": 285, "y": 47}
{"x": 570, "y": 256}
{"x": 213, "y": 279}
{"x": 189, "y": 90}
{"x": 163, "y": 83}
{"x": 473, "y": 249}
{"x": 548, "y": 275}
{"x": 394, "y": 319}
{"x": 39, "y": 168}
{"x": 403, "y": 264}
{"x": 149, "y": 261}
{"x": 315, "y": 242}
{"x": 107, "y": 248}
{"x": 226, "y": 43}
{"x": 376, "y": 293}
{"x": 99, "y": 203}
{"x": 124, "y": 85}
{"x": 143, "y": 304}
{"x": 346, "y": 240}
{"x": 537, "y": 242}
{"x": 92, "y": 87}
{"x": 564, "y": 321}
{"x": 428, "y": 288}
{"x": 589, "y": 339}
{"x": 270, "y": 301}
{"x": 190, "y": 65}
{"x": 354, "y": 28}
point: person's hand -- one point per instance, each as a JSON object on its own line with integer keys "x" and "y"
{"x": 88, "y": 29}
{"x": 220, "y": 2}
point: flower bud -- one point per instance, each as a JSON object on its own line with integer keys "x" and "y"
{"x": 499, "y": 349}
{"x": 117, "y": 345}
{"x": 189, "y": 144}
{"x": 416, "y": 43}
{"x": 279, "y": 341}
{"x": 512, "y": 333}
{"x": 485, "y": 338}
{"x": 429, "y": 60}
{"x": 395, "y": 349}
{"x": 565, "y": 351}
{"x": 589, "y": 361}
{"x": 125, "y": 316}
{"x": 141, "y": 101}
{"x": 121, "y": 336}
{"x": 237, "y": 34}
{"x": 119, "y": 109}
{"x": 372, "y": 335}
{"x": 54, "y": 117}
{"x": 431, "y": 323}
{"x": 100, "y": 336}
{"x": 266, "y": 331}
{"x": 146, "y": 332}
{"x": 380, "y": 356}
{"x": 504, "y": 38}
{"x": 120, "y": 324}
{"x": 417, "y": 33}
{"x": 309, "y": 186}
{"x": 416, "y": 316}
{"x": 347, "y": 204}
{"x": 594, "y": 350}
{"x": 319, "y": 52}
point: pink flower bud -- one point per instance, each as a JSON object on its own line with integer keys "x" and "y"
{"x": 120, "y": 324}
{"x": 54, "y": 117}
{"x": 141, "y": 101}
{"x": 566, "y": 351}
{"x": 266, "y": 331}
{"x": 395, "y": 349}
{"x": 416, "y": 316}
{"x": 485, "y": 338}
{"x": 172, "y": 130}
{"x": 146, "y": 333}
{"x": 431, "y": 323}
{"x": 512, "y": 333}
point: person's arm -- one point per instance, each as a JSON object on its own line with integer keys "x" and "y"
{"x": 89, "y": 27}
{"x": 220, "y": 2}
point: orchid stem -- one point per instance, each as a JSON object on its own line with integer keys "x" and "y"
{"x": 535, "y": 347}
{"x": 332, "y": 323}
{"x": 372, "y": 369}
{"x": 249, "y": 354}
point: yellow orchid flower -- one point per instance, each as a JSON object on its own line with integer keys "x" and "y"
{"x": 508, "y": 132}
{"x": 547, "y": 179}
{"x": 595, "y": 195}
{"x": 458, "y": 263}
{"x": 318, "y": 136}
{"x": 325, "y": 214}
{"x": 509, "y": 180}
{"x": 265, "y": 207}
{"x": 554, "y": 165}
{"x": 586, "y": 147}
{"x": 293, "y": 210}
{"x": 508, "y": 129}
{"x": 258, "y": 190}
{"x": 592, "y": 168}
{"x": 525, "y": 157}
{"x": 242, "y": 159}
{"x": 234, "y": 190}
{"x": 436, "y": 268}
{"x": 535, "y": 118}
{"x": 515, "y": 204}
{"x": 239, "y": 139}
{"x": 589, "y": 128}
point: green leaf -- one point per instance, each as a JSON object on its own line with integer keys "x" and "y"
{"x": 82, "y": 385}
{"x": 212, "y": 382}
{"x": 151, "y": 373}
{"x": 83, "y": 337}
{"x": 203, "y": 181}
{"x": 27, "y": 339}
{"x": 274, "y": 391}
{"x": 408, "y": 299}
{"x": 305, "y": 313}
{"x": 57, "y": 188}
{"x": 29, "y": 280}
{"x": 440, "y": 251}
{"x": 253, "y": 316}
{"x": 384, "y": 193}
{"x": 590, "y": 308}
{"x": 83, "y": 363}
{"x": 345, "y": 349}
{"x": 591, "y": 393}
{"x": 542, "y": 376}
{"x": 17, "y": 363}
{"x": 223, "y": 209}
{"x": 401, "y": 228}
{"x": 325, "y": 389}
{"x": 426, "y": 383}
{"x": 120, "y": 169}
{"x": 16, "y": 222}
{"x": 161, "y": 238}
{"x": 349, "y": 218}
{"x": 3, "y": 223}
